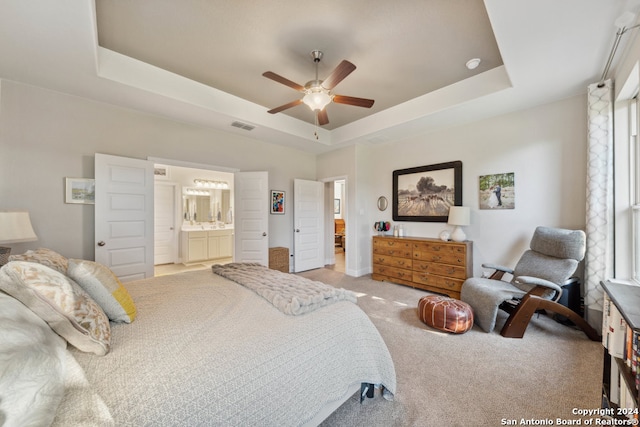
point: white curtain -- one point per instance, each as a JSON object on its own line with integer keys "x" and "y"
{"x": 599, "y": 221}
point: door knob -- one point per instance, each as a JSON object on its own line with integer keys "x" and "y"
{"x": 264, "y": 234}
{"x": 101, "y": 243}
{"x": 297, "y": 230}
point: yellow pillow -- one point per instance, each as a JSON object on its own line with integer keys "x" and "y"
{"x": 105, "y": 288}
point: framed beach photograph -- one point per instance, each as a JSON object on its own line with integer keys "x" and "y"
{"x": 277, "y": 202}
{"x": 80, "y": 190}
{"x": 425, "y": 193}
{"x": 497, "y": 191}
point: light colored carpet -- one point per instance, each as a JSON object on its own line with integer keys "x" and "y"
{"x": 473, "y": 379}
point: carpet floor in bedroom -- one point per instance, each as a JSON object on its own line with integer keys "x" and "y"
{"x": 472, "y": 379}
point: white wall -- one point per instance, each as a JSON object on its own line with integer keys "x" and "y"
{"x": 544, "y": 146}
{"x": 46, "y": 136}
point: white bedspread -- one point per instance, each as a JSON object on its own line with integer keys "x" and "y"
{"x": 206, "y": 351}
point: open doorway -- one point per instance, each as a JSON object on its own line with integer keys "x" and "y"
{"x": 339, "y": 225}
{"x": 193, "y": 218}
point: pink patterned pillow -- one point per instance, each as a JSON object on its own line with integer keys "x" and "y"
{"x": 60, "y": 302}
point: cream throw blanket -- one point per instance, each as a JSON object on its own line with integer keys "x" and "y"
{"x": 289, "y": 293}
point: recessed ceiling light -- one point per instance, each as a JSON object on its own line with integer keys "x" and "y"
{"x": 472, "y": 64}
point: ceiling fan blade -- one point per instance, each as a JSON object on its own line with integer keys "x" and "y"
{"x": 285, "y": 106}
{"x": 342, "y": 70}
{"x": 350, "y": 100}
{"x": 323, "y": 118}
{"x": 275, "y": 77}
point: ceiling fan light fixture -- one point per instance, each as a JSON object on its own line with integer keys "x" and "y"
{"x": 317, "y": 99}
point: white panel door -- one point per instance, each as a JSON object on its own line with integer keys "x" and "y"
{"x": 165, "y": 237}
{"x": 251, "y": 220}
{"x": 308, "y": 215}
{"x": 124, "y": 216}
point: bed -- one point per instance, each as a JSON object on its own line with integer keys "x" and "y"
{"x": 202, "y": 349}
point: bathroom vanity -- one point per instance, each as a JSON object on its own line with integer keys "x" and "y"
{"x": 203, "y": 242}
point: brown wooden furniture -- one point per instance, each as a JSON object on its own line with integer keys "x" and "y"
{"x": 429, "y": 264}
{"x": 339, "y": 232}
{"x": 520, "y": 314}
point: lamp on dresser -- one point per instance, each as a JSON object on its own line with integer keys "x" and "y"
{"x": 15, "y": 227}
{"x": 459, "y": 216}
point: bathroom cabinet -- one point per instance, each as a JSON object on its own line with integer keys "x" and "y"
{"x": 203, "y": 245}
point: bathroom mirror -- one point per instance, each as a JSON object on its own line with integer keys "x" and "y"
{"x": 202, "y": 208}
{"x": 382, "y": 203}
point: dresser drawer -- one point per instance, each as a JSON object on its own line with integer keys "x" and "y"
{"x": 439, "y": 269}
{"x": 392, "y": 261}
{"x": 438, "y": 281}
{"x": 393, "y": 247}
{"x": 440, "y": 252}
{"x": 392, "y": 272}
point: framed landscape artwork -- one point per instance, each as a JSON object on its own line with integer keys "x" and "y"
{"x": 497, "y": 191}
{"x": 80, "y": 190}
{"x": 425, "y": 193}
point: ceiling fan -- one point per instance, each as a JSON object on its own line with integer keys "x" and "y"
{"x": 317, "y": 93}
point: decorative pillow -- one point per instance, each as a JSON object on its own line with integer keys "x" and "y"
{"x": 32, "y": 366}
{"x": 60, "y": 302}
{"x": 43, "y": 256}
{"x": 105, "y": 289}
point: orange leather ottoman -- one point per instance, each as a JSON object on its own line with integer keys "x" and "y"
{"x": 446, "y": 314}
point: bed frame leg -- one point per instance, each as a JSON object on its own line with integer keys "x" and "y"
{"x": 366, "y": 390}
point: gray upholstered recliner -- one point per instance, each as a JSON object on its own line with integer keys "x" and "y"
{"x": 537, "y": 283}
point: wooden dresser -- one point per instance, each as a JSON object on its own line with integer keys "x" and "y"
{"x": 430, "y": 264}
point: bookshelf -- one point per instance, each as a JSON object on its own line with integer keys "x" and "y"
{"x": 620, "y": 335}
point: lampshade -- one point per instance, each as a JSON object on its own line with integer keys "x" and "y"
{"x": 317, "y": 99}
{"x": 15, "y": 227}
{"x": 459, "y": 215}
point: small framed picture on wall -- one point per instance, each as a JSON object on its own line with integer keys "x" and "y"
{"x": 277, "y": 202}
{"x": 80, "y": 190}
{"x": 497, "y": 191}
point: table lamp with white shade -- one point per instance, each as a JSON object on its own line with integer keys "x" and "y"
{"x": 15, "y": 227}
{"x": 459, "y": 216}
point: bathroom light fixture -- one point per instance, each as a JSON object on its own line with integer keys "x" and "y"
{"x": 15, "y": 227}
{"x": 196, "y": 192}
{"x": 458, "y": 216}
{"x": 205, "y": 183}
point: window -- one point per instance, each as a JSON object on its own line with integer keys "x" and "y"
{"x": 634, "y": 185}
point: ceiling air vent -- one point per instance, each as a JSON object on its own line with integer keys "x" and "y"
{"x": 241, "y": 125}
